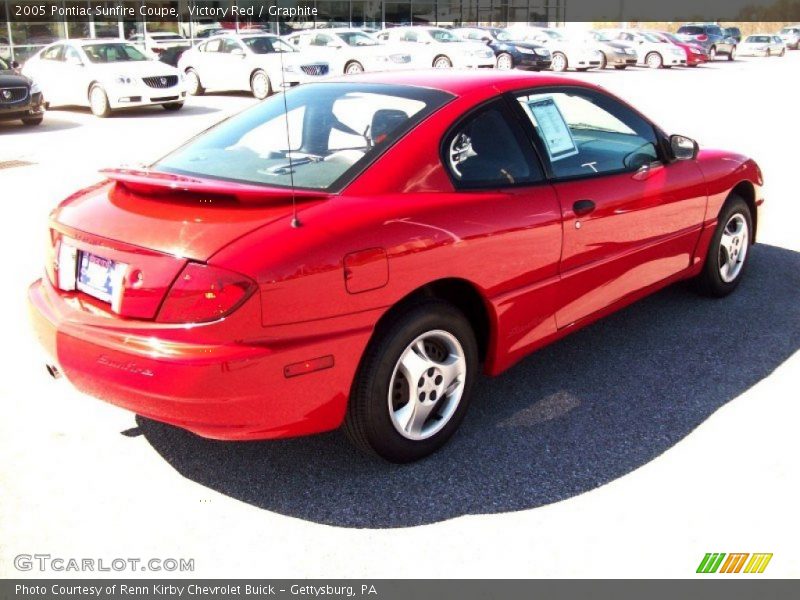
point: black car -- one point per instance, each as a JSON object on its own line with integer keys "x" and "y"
{"x": 508, "y": 53}
{"x": 20, "y": 98}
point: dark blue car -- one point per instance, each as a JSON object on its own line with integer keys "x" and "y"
{"x": 509, "y": 54}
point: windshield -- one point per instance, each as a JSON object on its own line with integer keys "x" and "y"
{"x": 650, "y": 37}
{"x": 555, "y": 35}
{"x": 114, "y": 52}
{"x": 789, "y": 30}
{"x": 267, "y": 44}
{"x": 327, "y": 134}
{"x": 442, "y": 35}
{"x": 757, "y": 39}
{"x": 602, "y": 36}
{"x": 356, "y": 38}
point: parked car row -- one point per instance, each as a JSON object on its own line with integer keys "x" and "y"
{"x": 163, "y": 68}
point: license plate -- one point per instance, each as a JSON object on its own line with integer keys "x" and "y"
{"x": 99, "y": 277}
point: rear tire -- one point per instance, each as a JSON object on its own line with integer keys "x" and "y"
{"x": 712, "y": 53}
{"x": 172, "y": 106}
{"x": 727, "y": 258}
{"x": 654, "y": 60}
{"x": 31, "y": 121}
{"x": 620, "y": 67}
{"x": 193, "y": 84}
{"x": 413, "y": 385}
{"x": 732, "y": 54}
{"x": 505, "y": 61}
{"x": 603, "y": 61}
{"x": 559, "y": 62}
{"x": 353, "y": 68}
{"x": 442, "y": 62}
{"x": 98, "y": 102}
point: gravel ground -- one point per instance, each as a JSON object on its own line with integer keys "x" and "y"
{"x": 662, "y": 432}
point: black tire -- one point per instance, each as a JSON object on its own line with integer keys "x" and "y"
{"x": 172, "y": 106}
{"x": 353, "y": 67}
{"x": 193, "y": 84}
{"x": 603, "y": 61}
{"x": 442, "y": 61}
{"x": 620, "y": 67}
{"x": 709, "y": 282}
{"x": 565, "y": 64}
{"x": 732, "y": 54}
{"x": 31, "y": 121}
{"x": 368, "y": 422}
{"x": 654, "y": 60}
{"x": 98, "y": 102}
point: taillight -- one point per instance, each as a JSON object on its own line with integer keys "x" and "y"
{"x": 702, "y": 37}
{"x": 204, "y": 293}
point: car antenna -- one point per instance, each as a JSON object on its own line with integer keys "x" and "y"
{"x": 295, "y": 219}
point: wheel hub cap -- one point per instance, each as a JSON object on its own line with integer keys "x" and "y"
{"x": 427, "y": 385}
{"x": 733, "y": 248}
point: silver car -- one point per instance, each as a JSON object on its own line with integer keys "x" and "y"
{"x": 762, "y": 44}
{"x": 615, "y": 54}
{"x": 791, "y": 36}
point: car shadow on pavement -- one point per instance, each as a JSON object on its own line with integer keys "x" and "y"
{"x": 49, "y": 124}
{"x": 574, "y": 416}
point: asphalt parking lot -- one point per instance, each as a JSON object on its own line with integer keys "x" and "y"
{"x": 630, "y": 449}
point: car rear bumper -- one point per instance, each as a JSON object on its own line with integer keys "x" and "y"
{"x": 232, "y": 391}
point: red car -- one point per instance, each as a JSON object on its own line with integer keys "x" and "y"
{"x": 695, "y": 53}
{"x": 359, "y": 268}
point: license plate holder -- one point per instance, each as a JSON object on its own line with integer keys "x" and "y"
{"x": 99, "y": 277}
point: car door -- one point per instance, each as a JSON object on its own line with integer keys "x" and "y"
{"x": 210, "y": 65}
{"x": 513, "y": 218}
{"x": 44, "y": 71}
{"x": 73, "y": 77}
{"x": 631, "y": 216}
{"x": 233, "y": 70}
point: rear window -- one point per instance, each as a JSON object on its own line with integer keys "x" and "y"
{"x": 329, "y": 132}
{"x": 691, "y": 30}
{"x": 757, "y": 39}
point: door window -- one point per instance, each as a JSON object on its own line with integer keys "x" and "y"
{"x": 486, "y": 151}
{"x": 54, "y": 53}
{"x": 586, "y": 133}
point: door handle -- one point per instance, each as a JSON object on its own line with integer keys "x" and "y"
{"x": 583, "y": 207}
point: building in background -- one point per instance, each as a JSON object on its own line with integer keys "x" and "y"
{"x": 18, "y": 41}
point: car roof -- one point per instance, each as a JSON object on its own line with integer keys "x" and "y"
{"x": 464, "y": 82}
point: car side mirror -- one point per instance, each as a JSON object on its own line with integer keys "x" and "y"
{"x": 683, "y": 148}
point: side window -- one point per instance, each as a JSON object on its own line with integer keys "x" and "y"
{"x": 229, "y": 46}
{"x": 587, "y": 133}
{"x": 71, "y": 55}
{"x": 54, "y": 53}
{"x": 213, "y": 46}
{"x": 321, "y": 40}
{"x": 486, "y": 151}
{"x": 410, "y": 36}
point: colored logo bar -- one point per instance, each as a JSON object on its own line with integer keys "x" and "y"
{"x": 714, "y": 562}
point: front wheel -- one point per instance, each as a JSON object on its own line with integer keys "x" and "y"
{"x": 654, "y": 60}
{"x": 31, "y": 121}
{"x": 413, "y": 386}
{"x": 353, "y": 68}
{"x": 193, "y": 85}
{"x": 171, "y": 106}
{"x": 504, "y": 61}
{"x": 620, "y": 67}
{"x": 712, "y": 54}
{"x": 98, "y": 102}
{"x": 442, "y": 62}
{"x": 732, "y": 53}
{"x": 727, "y": 255}
{"x": 260, "y": 85}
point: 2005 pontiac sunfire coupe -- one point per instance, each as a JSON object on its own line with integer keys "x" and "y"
{"x": 444, "y": 221}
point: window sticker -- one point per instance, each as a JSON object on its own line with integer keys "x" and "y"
{"x": 553, "y": 129}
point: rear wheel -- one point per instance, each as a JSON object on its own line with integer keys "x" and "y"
{"x": 654, "y": 60}
{"x": 727, "y": 255}
{"x": 783, "y": 51}
{"x": 559, "y": 62}
{"x": 31, "y": 121}
{"x": 442, "y": 62}
{"x": 712, "y": 53}
{"x": 98, "y": 102}
{"x": 193, "y": 85}
{"x": 732, "y": 53}
{"x": 172, "y": 106}
{"x": 603, "y": 61}
{"x": 620, "y": 67}
{"x": 505, "y": 61}
{"x": 260, "y": 85}
{"x": 413, "y": 386}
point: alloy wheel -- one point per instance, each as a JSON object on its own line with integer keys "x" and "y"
{"x": 442, "y": 63}
{"x": 354, "y": 68}
{"x": 559, "y": 62}
{"x": 427, "y": 385}
{"x": 260, "y": 85}
{"x": 733, "y": 247}
{"x": 505, "y": 62}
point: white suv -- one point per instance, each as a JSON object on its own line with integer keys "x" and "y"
{"x": 440, "y": 48}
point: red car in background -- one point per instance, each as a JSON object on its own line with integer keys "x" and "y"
{"x": 355, "y": 259}
{"x": 695, "y": 54}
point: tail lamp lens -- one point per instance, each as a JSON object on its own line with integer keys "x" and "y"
{"x": 204, "y": 293}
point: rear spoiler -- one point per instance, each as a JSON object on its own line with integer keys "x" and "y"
{"x": 156, "y": 183}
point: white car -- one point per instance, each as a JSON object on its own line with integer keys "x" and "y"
{"x": 762, "y": 44}
{"x": 350, "y": 50}
{"x": 651, "y": 50}
{"x": 260, "y": 62}
{"x": 791, "y": 36}
{"x": 104, "y": 75}
{"x": 580, "y": 55}
{"x": 157, "y": 42}
{"x": 440, "y": 48}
